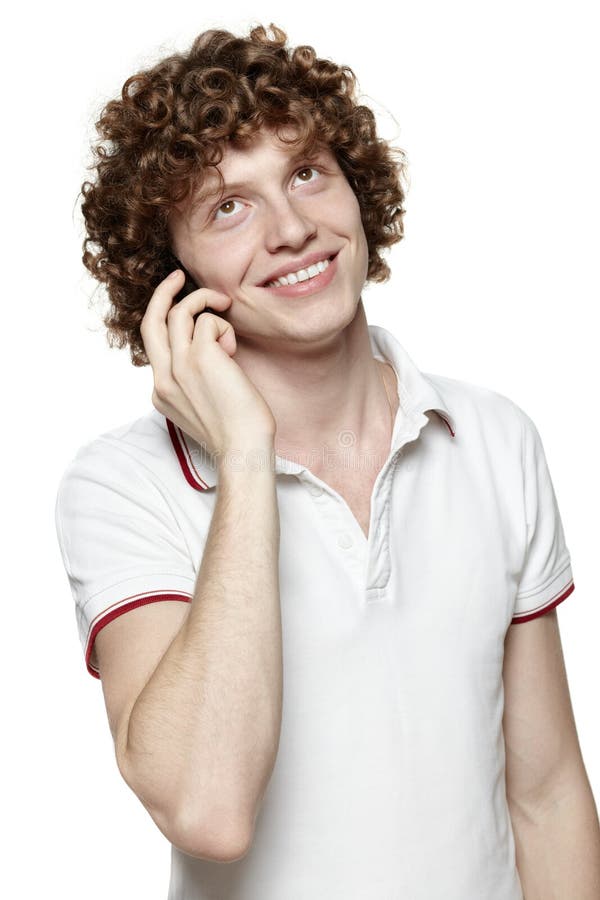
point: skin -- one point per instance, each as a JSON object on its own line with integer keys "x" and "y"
{"x": 309, "y": 357}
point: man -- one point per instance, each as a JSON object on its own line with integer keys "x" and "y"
{"x": 340, "y": 706}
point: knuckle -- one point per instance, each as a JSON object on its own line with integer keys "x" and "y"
{"x": 157, "y": 402}
{"x": 179, "y": 371}
{"x": 203, "y": 320}
{"x": 163, "y": 390}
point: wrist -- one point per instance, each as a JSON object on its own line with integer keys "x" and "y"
{"x": 248, "y": 459}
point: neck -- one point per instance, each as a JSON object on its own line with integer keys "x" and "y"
{"x": 327, "y": 396}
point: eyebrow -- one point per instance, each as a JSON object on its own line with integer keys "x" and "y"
{"x": 206, "y": 195}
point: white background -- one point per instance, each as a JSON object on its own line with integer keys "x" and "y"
{"x": 496, "y": 283}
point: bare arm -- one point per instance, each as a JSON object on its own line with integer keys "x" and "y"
{"x": 201, "y": 739}
{"x": 557, "y": 844}
{"x": 203, "y": 734}
{"x": 552, "y": 808}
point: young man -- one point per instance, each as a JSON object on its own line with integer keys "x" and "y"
{"x": 338, "y": 706}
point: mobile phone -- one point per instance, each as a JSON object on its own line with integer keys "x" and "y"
{"x": 190, "y": 285}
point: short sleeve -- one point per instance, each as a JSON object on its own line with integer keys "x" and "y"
{"x": 546, "y": 577}
{"x": 120, "y": 543}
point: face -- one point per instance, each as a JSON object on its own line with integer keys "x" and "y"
{"x": 276, "y": 210}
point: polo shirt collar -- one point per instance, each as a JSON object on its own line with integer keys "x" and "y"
{"x": 416, "y": 393}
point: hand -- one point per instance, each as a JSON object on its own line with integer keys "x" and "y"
{"x": 196, "y": 382}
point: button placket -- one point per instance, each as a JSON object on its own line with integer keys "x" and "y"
{"x": 378, "y": 563}
{"x": 341, "y": 522}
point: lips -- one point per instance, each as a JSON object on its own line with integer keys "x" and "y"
{"x": 296, "y": 265}
{"x": 310, "y": 287}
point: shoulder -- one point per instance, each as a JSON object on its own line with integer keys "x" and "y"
{"x": 480, "y": 411}
{"x": 139, "y": 449}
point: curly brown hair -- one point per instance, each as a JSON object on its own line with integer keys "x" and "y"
{"x": 173, "y": 120}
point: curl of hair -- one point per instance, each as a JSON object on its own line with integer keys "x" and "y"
{"x": 173, "y": 120}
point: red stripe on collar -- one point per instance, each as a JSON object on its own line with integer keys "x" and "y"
{"x": 184, "y": 456}
{"x": 446, "y": 421}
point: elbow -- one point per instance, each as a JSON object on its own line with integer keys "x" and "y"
{"x": 216, "y": 835}
{"x": 218, "y": 838}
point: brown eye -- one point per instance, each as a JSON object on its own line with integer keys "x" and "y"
{"x": 226, "y": 208}
{"x": 307, "y": 169}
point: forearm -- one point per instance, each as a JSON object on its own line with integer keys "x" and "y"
{"x": 204, "y": 732}
{"x": 558, "y": 846}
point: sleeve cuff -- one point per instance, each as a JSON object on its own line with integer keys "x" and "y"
{"x": 531, "y": 604}
{"x": 118, "y": 599}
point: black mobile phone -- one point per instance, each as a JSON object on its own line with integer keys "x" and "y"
{"x": 189, "y": 285}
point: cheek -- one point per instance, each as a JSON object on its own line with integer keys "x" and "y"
{"x": 361, "y": 230}
{"x": 221, "y": 273}
{"x": 363, "y": 252}
{"x": 232, "y": 256}
{"x": 349, "y": 211}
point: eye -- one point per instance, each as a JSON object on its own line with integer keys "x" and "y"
{"x": 228, "y": 213}
{"x": 306, "y": 169}
{"x": 225, "y": 204}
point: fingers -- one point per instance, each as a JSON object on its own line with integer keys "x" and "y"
{"x": 166, "y": 326}
{"x": 215, "y": 329}
{"x": 153, "y": 326}
{"x": 167, "y": 330}
{"x": 181, "y": 323}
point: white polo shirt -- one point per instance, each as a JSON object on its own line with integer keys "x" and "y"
{"x": 389, "y": 782}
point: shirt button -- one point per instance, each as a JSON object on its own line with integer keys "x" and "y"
{"x": 345, "y": 541}
{"x": 315, "y": 490}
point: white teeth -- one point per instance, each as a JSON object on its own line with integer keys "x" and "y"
{"x": 301, "y": 275}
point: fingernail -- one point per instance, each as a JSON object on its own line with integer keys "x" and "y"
{"x": 173, "y": 274}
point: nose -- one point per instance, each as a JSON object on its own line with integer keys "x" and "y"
{"x": 286, "y": 225}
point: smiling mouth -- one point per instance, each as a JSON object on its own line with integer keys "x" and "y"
{"x": 307, "y": 287}
{"x": 275, "y": 283}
